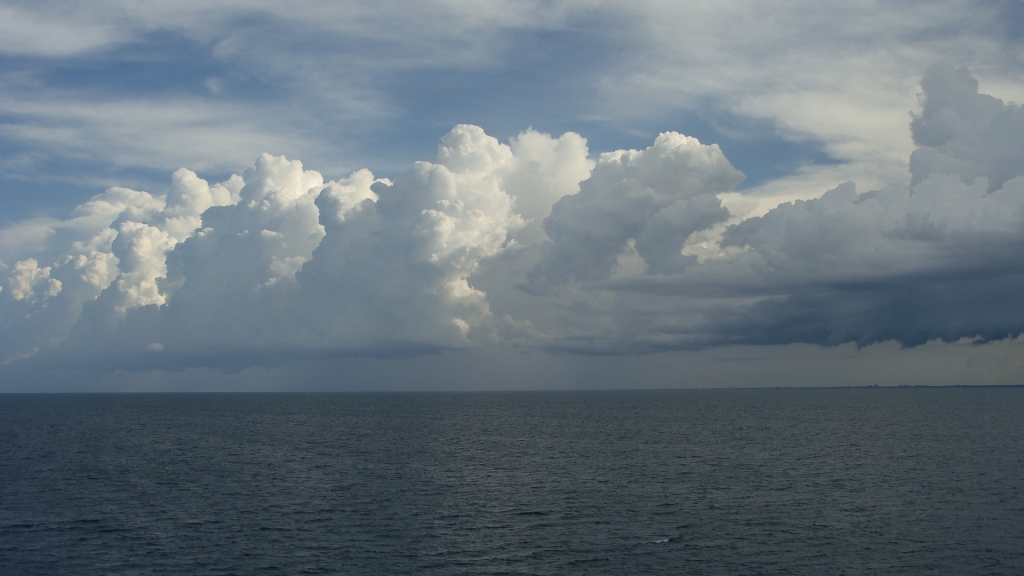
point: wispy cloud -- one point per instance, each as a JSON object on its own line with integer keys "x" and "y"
{"x": 133, "y": 86}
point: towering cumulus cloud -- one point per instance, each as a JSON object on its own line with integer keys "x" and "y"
{"x": 941, "y": 259}
{"x": 655, "y": 198}
{"x": 529, "y": 244}
{"x": 111, "y": 254}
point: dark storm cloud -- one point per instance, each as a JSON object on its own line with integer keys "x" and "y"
{"x": 940, "y": 260}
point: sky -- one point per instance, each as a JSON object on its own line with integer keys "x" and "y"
{"x": 455, "y": 195}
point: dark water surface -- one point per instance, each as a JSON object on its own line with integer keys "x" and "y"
{"x": 851, "y": 481}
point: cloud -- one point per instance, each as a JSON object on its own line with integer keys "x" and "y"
{"x": 528, "y": 245}
{"x": 965, "y": 133}
{"x": 206, "y": 134}
{"x": 87, "y": 87}
{"x": 940, "y": 259}
{"x": 220, "y": 81}
{"x": 113, "y": 246}
{"x": 655, "y": 197}
{"x": 23, "y": 32}
{"x": 276, "y": 260}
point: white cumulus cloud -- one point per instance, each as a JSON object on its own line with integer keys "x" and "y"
{"x": 530, "y": 244}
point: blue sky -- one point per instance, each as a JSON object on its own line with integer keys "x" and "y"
{"x": 798, "y": 97}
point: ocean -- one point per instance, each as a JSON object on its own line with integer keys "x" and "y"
{"x": 779, "y": 481}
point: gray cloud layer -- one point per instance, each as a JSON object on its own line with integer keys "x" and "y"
{"x": 530, "y": 245}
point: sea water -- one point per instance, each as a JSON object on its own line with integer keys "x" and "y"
{"x": 782, "y": 481}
